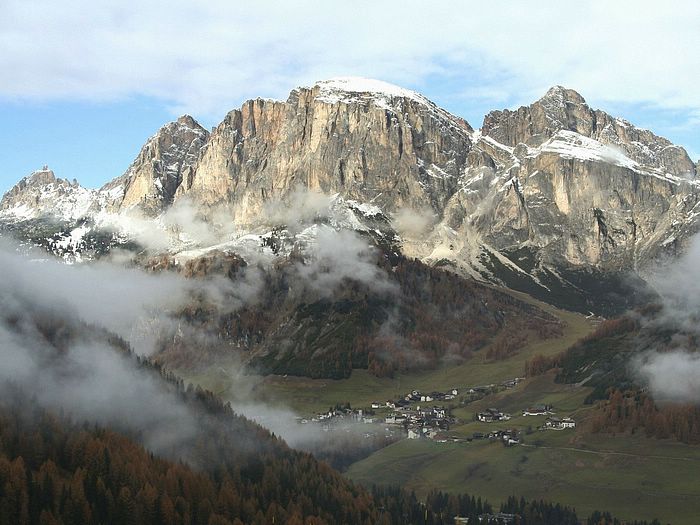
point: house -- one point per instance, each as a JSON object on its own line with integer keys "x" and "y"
{"x": 554, "y": 423}
{"x": 439, "y": 412}
{"x": 538, "y": 410}
{"x": 412, "y": 434}
{"x": 485, "y": 417}
{"x": 500, "y": 517}
{"x": 375, "y": 405}
{"x": 492, "y": 414}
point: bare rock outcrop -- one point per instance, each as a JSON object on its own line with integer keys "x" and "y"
{"x": 151, "y": 181}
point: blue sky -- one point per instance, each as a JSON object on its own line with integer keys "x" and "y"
{"x": 84, "y": 83}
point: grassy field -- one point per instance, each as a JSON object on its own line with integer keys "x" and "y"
{"x": 634, "y": 477}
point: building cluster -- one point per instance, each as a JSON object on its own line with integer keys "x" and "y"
{"x": 340, "y": 414}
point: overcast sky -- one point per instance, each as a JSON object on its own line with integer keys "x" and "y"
{"x": 83, "y": 83}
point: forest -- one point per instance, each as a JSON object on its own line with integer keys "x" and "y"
{"x": 431, "y": 317}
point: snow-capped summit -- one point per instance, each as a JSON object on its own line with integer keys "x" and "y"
{"x": 349, "y": 89}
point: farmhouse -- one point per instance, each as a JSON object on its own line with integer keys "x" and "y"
{"x": 538, "y": 410}
{"x": 554, "y": 423}
{"x": 492, "y": 414}
{"x": 500, "y": 517}
{"x": 509, "y": 437}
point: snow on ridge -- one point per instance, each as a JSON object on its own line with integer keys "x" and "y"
{"x": 382, "y": 94}
{"x": 59, "y": 199}
{"x": 338, "y": 89}
{"x": 570, "y": 144}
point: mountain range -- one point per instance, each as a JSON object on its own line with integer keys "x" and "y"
{"x": 556, "y": 199}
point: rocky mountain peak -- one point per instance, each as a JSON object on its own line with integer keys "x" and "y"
{"x": 42, "y": 176}
{"x": 188, "y": 121}
{"x": 152, "y": 179}
{"x": 561, "y": 96}
{"x": 42, "y": 193}
{"x": 552, "y": 185}
{"x": 361, "y": 138}
{"x": 563, "y": 110}
{"x": 559, "y": 109}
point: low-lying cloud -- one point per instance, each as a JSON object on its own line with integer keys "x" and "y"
{"x": 100, "y": 293}
{"x": 53, "y": 346}
{"x": 182, "y": 225}
{"x": 672, "y": 376}
{"x": 675, "y": 375}
{"x": 297, "y": 209}
{"x": 413, "y": 223}
{"x": 91, "y": 380}
{"x": 335, "y": 256}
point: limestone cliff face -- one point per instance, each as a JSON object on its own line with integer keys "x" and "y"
{"x": 575, "y": 185}
{"x": 395, "y": 148}
{"x": 151, "y": 181}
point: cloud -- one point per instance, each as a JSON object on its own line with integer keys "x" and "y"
{"x": 207, "y": 58}
{"x": 136, "y": 305}
{"x": 297, "y": 209}
{"x": 52, "y": 342}
{"x": 673, "y": 376}
{"x": 66, "y": 365}
{"x": 413, "y": 223}
{"x": 100, "y": 294}
{"x": 336, "y": 256}
{"x": 181, "y": 225}
{"x": 678, "y": 284}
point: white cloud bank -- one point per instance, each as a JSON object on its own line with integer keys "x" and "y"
{"x": 206, "y": 57}
{"x": 675, "y": 375}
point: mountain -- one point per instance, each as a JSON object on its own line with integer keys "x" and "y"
{"x": 555, "y": 199}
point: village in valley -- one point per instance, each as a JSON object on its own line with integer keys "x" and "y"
{"x": 419, "y": 415}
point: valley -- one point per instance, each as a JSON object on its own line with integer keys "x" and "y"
{"x": 630, "y": 475}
